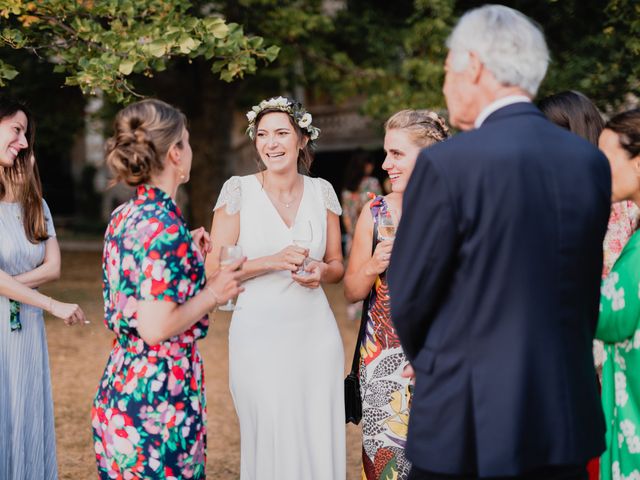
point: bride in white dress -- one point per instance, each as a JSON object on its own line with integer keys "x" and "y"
{"x": 285, "y": 352}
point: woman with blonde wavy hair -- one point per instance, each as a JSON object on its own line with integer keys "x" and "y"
{"x": 149, "y": 413}
{"x": 384, "y": 370}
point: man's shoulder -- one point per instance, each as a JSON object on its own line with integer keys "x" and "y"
{"x": 503, "y": 147}
{"x": 456, "y": 149}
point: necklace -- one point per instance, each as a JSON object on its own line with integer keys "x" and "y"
{"x": 289, "y": 203}
{"x": 285, "y": 204}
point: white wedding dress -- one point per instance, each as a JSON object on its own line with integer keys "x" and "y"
{"x": 285, "y": 352}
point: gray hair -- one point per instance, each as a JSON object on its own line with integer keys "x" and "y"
{"x": 509, "y": 44}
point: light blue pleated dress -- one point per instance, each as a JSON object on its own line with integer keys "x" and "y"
{"x": 27, "y": 436}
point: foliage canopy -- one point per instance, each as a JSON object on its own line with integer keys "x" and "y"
{"x": 98, "y": 44}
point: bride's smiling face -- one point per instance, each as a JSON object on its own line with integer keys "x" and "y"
{"x": 277, "y": 142}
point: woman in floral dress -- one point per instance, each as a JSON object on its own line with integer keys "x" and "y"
{"x": 385, "y": 383}
{"x": 619, "y": 321}
{"x": 149, "y": 415}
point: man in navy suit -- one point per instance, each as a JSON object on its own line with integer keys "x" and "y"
{"x": 495, "y": 271}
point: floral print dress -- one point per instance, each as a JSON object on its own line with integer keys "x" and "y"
{"x": 619, "y": 329}
{"x": 386, "y": 396}
{"x": 149, "y": 413}
{"x": 623, "y": 222}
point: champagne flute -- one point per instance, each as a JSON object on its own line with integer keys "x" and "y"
{"x": 228, "y": 255}
{"x": 386, "y": 226}
{"x": 302, "y": 236}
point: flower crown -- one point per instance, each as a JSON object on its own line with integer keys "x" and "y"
{"x": 300, "y": 116}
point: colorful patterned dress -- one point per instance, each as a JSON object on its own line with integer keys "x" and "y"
{"x": 386, "y": 396}
{"x": 149, "y": 413}
{"x": 619, "y": 329}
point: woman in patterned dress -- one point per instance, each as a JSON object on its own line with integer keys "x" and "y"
{"x": 384, "y": 381}
{"x": 149, "y": 413}
{"x": 29, "y": 258}
{"x": 619, "y": 321}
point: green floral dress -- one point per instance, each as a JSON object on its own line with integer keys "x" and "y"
{"x": 619, "y": 329}
{"x": 149, "y": 414}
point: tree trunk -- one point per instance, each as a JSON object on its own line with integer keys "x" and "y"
{"x": 210, "y": 127}
{"x": 209, "y": 104}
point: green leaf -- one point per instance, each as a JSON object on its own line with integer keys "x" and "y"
{"x": 126, "y": 67}
{"x": 187, "y": 44}
{"x": 157, "y": 48}
{"x": 216, "y": 27}
{"x": 272, "y": 53}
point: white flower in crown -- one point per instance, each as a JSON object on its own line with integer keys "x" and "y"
{"x": 314, "y": 132}
{"x": 294, "y": 109}
{"x": 281, "y": 102}
{"x": 305, "y": 121}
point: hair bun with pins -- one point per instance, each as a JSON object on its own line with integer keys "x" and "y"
{"x": 143, "y": 133}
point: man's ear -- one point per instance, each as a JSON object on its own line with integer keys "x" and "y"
{"x": 474, "y": 67}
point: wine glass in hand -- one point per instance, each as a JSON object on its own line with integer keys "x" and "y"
{"x": 302, "y": 236}
{"x": 386, "y": 227}
{"x": 228, "y": 255}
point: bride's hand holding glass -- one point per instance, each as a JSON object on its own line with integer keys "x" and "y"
{"x": 313, "y": 271}
{"x": 289, "y": 258}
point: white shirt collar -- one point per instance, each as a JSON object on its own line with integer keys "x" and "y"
{"x": 497, "y": 105}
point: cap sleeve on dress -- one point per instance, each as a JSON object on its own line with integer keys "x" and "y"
{"x": 48, "y": 219}
{"x": 230, "y": 196}
{"x": 329, "y": 196}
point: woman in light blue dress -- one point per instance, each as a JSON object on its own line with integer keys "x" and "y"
{"x": 29, "y": 257}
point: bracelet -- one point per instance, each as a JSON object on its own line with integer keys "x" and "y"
{"x": 213, "y": 294}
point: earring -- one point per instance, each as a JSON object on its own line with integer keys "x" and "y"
{"x": 182, "y": 175}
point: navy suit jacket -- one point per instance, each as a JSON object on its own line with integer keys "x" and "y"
{"x": 495, "y": 285}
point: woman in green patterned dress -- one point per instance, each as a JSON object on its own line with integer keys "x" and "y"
{"x": 619, "y": 322}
